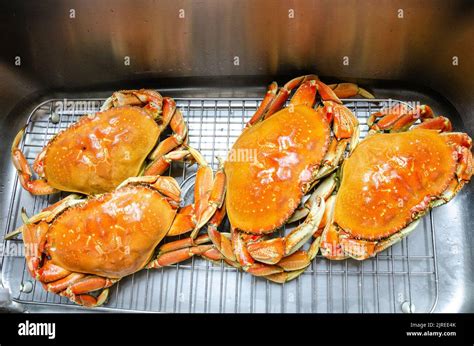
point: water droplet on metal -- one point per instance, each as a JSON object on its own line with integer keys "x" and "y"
{"x": 408, "y": 308}
{"x": 26, "y": 287}
{"x": 55, "y": 118}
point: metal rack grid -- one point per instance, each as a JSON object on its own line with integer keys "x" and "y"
{"x": 406, "y": 272}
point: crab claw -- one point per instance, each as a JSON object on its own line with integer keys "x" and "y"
{"x": 285, "y": 91}
{"x": 305, "y": 94}
{"x": 267, "y": 100}
{"x": 209, "y": 191}
{"x": 395, "y": 111}
{"x": 34, "y": 238}
{"x": 160, "y": 165}
{"x": 220, "y": 240}
{"x": 344, "y": 123}
{"x": 346, "y": 90}
{"x": 281, "y": 278}
{"x": 398, "y": 118}
{"x": 439, "y": 123}
{"x": 36, "y": 187}
{"x": 151, "y": 100}
{"x": 326, "y": 93}
{"x": 87, "y": 300}
{"x": 267, "y": 251}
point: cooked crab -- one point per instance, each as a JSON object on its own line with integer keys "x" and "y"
{"x": 101, "y": 150}
{"x": 280, "y": 155}
{"x": 391, "y": 180}
{"x": 78, "y": 246}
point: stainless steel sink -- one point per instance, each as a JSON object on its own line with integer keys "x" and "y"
{"x": 216, "y": 61}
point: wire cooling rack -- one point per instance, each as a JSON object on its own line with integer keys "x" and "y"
{"x": 402, "y": 278}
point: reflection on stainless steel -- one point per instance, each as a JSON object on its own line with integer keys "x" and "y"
{"x": 409, "y": 58}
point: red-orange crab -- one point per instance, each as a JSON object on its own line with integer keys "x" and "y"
{"x": 391, "y": 180}
{"x": 286, "y": 152}
{"x": 101, "y": 150}
{"x": 78, "y": 246}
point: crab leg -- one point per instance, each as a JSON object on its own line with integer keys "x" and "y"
{"x": 458, "y": 138}
{"x": 36, "y": 187}
{"x": 346, "y": 90}
{"x": 88, "y": 300}
{"x": 55, "y": 278}
{"x": 330, "y": 247}
{"x": 246, "y": 260}
{"x": 221, "y": 249}
{"x": 34, "y": 238}
{"x": 47, "y": 215}
{"x": 221, "y": 241}
{"x": 214, "y": 201}
{"x": 302, "y": 233}
{"x": 332, "y": 159}
{"x": 310, "y": 85}
{"x": 176, "y": 256}
{"x": 208, "y": 252}
{"x": 269, "y": 251}
{"x": 90, "y": 284}
{"x": 64, "y": 283}
{"x": 169, "y": 187}
{"x": 439, "y": 123}
{"x": 305, "y": 94}
{"x": 160, "y": 165}
{"x": 278, "y": 255}
{"x": 209, "y": 191}
{"x": 173, "y": 117}
{"x": 281, "y": 278}
{"x": 294, "y": 265}
{"x": 398, "y": 109}
{"x": 215, "y": 255}
{"x": 324, "y": 191}
{"x": 330, "y": 244}
{"x": 153, "y": 101}
{"x": 169, "y": 110}
{"x": 344, "y": 246}
{"x": 398, "y": 118}
{"x": 464, "y": 170}
{"x": 267, "y": 100}
{"x": 284, "y": 92}
{"x": 344, "y": 121}
{"x": 338, "y": 245}
{"x": 183, "y": 222}
{"x": 346, "y": 132}
{"x": 184, "y": 243}
{"x": 357, "y": 248}
{"x": 50, "y": 272}
{"x": 164, "y": 184}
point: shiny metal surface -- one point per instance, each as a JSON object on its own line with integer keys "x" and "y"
{"x": 406, "y": 58}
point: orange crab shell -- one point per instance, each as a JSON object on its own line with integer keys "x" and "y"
{"x": 113, "y": 235}
{"x": 388, "y": 178}
{"x": 100, "y": 151}
{"x": 270, "y": 165}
